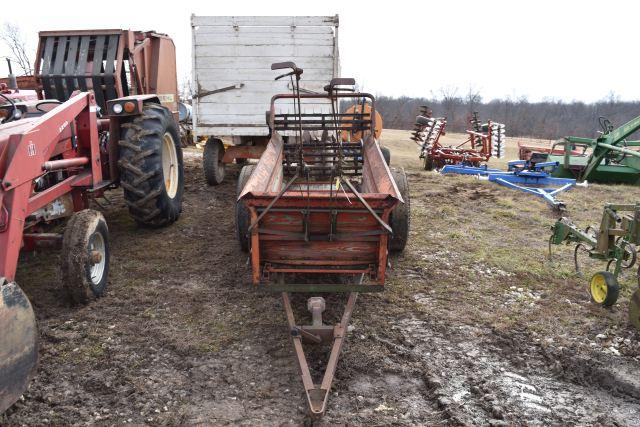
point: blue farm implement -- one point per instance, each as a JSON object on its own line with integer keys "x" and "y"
{"x": 523, "y": 176}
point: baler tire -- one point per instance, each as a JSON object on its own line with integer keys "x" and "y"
{"x": 243, "y": 217}
{"x": 85, "y": 232}
{"x": 212, "y": 161}
{"x": 154, "y": 200}
{"x": 386, "y": 153}
{"x": 401, "y": 215}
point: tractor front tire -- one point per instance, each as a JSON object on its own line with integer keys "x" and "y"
{"x": 243, "y": 217}
{"x": 151, "y": 168}
{"x": 212, "y": 161}
{"x": 401, "y": 214}
{"x": 85, "y": 256}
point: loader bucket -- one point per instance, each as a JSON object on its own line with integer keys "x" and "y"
{"x": 18, "y": 344}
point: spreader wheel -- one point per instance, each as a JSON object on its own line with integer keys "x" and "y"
{"x": 604, "y": 288}
{"x": 386, "y": 153}
{"x": 151, "y": 170}
{"x": 427, "y": 163}
{"x": 85, "y": 256}
{"x": 401, "y": 214}
{"x": 634, "y": 309}
{"x": 243, "y": 218}
{"x": 212, "y": 161}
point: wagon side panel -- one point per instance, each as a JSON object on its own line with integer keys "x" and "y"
{"x": 232, "y": 57}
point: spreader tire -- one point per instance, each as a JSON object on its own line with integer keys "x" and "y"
{"x": 401, "y": 214}
{"x": 386, "y": 154}
{"x": 212, "y": 161}
{"x": 243, "y": 218}
{"x": 604, "y": 288}
{"x": 634, "y": 309}
{"x": 85, "y": 256}
{"x": 427, "y": 163}
{"x": 151, "y": 169}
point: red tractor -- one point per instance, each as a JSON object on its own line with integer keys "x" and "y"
{"x": 105, "y": 117}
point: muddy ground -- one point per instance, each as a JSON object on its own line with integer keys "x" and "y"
{"x": 475, "y": 326}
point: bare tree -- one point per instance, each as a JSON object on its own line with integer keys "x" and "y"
{"x": 185, "y": 91}
{"x": 450, "y": 101}
{"x": 15, "y": 41}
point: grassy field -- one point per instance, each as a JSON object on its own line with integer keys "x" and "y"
{"x": 484, "y": 224}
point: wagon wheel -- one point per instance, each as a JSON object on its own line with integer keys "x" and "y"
{"x": 604, "y": 288}
{"x": 212, "y": 165}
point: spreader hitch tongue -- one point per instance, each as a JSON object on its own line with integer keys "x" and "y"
{"x": 18, "y": 343}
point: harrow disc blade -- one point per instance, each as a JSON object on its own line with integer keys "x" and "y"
{"x": 634, "y": 309}
{"x": 18, "y": 344}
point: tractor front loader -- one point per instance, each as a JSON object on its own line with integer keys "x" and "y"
{"x": 97, "y": 125}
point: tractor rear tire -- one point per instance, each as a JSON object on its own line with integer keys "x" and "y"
{"x": 212, "y": 161}
{"x": 85, "y": 256}
{"x": 151, "y": 168}
{"x": 386, "y": 154}
{"x": 401, "y": 214}
{"x": 243, "y": 217}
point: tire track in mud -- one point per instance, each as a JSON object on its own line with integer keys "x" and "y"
{"x": 479, "y": 377}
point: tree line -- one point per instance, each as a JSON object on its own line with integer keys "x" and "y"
{"x": 546, "y": 119}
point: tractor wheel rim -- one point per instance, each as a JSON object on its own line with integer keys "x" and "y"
{"x": 598, "y": 288}
{"x": 97, "y": 244}
{"x": 169, "y": 165}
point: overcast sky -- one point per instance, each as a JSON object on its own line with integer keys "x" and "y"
{"x": 538, "y": 49}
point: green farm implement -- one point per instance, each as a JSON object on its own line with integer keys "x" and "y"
{"x": 609, "y": 158}
{"x": 614, "y": 243}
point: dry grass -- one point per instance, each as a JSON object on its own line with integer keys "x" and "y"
{"x": 471, "y": 241}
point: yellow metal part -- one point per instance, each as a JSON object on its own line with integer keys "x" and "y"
{"x": 598, "y": 288}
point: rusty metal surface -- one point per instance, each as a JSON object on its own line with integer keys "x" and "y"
{"x": 65, "y": 63}
{"x": 318, "y": 225}
{"x": 18, "y": 344}
{"x": 317, "y": 394}
{"x": 242, "y": 152}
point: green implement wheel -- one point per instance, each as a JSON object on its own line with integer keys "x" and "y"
{"x": 604, "y": 289}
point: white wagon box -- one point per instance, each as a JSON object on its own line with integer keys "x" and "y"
{"x": 233, "y": 80}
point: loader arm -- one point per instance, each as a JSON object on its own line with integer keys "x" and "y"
{"x": 65, "y": 140}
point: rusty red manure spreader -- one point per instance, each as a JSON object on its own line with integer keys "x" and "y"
{"x": 97, "y": 125}
{"x": 320, "y": 212}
